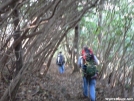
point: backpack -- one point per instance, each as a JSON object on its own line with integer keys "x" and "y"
{"x": 90, "y": 69}
{"x": 88, "y": 58}
{"x": 87, "y": 54}
{"x": 61, "y": 60}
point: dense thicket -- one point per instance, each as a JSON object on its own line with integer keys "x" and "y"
{"x": 31, "y": 31}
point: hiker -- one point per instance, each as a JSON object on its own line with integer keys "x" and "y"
{"x": 60, "y": 62}
{"x": 88, "y": 61}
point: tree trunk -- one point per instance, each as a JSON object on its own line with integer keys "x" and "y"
{"x": 17, "y": 49}
{"x": 75, "y": 49}
{"x": 132, "y": 84}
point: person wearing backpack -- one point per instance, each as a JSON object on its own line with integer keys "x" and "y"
{"x": 88, "y": 61}
{"x": 60, "y": 61}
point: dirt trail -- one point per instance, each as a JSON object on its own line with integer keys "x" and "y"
{"x": 57, "y": 87}
{"x": 52, "y": 87}
{"x": 65, "y": 87}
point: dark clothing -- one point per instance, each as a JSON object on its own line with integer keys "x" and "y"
{"x": 60, "y": 61}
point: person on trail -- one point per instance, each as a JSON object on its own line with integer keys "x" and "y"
{"x": 60, "y": 61}
{"x": 88, "y": 61}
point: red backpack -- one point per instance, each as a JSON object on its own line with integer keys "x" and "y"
{"x": 87, "y": 54}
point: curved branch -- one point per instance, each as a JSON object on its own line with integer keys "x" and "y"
{"x": 52, "y": 12}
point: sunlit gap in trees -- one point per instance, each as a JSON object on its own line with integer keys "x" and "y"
{"x": 110, "y": 6}
{"x": 32, "y": 1}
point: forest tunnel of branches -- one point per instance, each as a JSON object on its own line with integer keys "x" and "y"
{"x": 32, "y": 32}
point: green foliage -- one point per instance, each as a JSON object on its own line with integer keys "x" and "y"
{"x": 111, "y": 24}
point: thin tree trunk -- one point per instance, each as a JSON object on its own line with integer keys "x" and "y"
{"x": 132, "y": 84}
{"x": 75, "y": 48}
{"x": 18, "y": 52}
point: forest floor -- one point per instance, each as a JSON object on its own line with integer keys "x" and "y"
{"x": 58, "y": 87}
{"x": 52, "y": 87}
